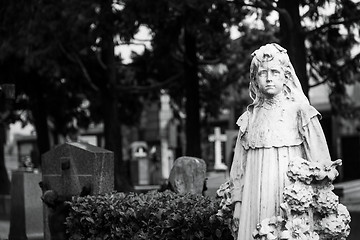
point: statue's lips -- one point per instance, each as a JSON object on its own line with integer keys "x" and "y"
{"x": 270, "y": 86}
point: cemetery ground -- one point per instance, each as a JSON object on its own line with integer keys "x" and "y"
{"x": 214, "y": 179}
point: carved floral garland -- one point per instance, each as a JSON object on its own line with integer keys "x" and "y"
{"x": 311, "y": 211}
{"x": 226, "y": 206}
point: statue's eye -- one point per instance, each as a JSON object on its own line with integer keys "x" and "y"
{"x": 262, "y": 73}
{"x": 275, "y": 72}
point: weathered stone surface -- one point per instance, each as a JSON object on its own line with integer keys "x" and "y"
{"x": 72, "y": 169}
{"x": 188, "y": 175}
{"x": 71, "y": 166}
{"x": 26, "y": 220}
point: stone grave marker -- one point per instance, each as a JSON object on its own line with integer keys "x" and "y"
{"x": 26, "y": 214}
{"x": 71, "y": 169}
{"x": 188, "y": 175}
{"x": 140, "y": 172}
{"x": 218, "y": 138}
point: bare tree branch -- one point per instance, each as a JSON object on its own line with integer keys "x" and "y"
{"x": 132, "y": 43}
{"x": 281, "y": 12}
{"x": 176, "y": 56}
{"x": 315, "y": 74}
{"x": 74, "y": 58}
{"x": 100, "y": 61}
{"x": 327, "y": 25}
{"x": 311, "y": 9}
{"x": 85, "y": 72}
{"x": 343, "y": 66}
{"x": 143, "y": 40}
{"x": 268, "y": 5}
{"x": 209, "y": 61}
{"x": 65, "y": 52}
{"x": 243, "y": 4}
{"x": 319, "y": 83}
{"x": 156, "y": 86}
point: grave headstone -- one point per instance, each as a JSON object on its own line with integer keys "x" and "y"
{"x": 140, "y": 169}
{"x": 71, "y": 169}
{"x": 26, "y": 218}
{"x": 188, "y": 175}
{"x": 218, "y": 138}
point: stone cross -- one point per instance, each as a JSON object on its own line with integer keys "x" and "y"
{"x": 217, "y": 138}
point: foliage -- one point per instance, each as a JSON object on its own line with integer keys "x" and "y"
{"x": 311, "y": 210}
{"x": 188, "y": 37}
{"x": 154, "y": 215}
{"x": 59, "y": 44}
{"x": 332, "y": 41}
{"x": 33, "y": 58}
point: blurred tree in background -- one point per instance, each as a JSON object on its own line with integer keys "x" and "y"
{"x": 61, "y": 56}
{"x": 188, "y": 38}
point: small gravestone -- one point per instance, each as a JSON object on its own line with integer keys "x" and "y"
{"x": 26, "y": 219}
{"x": 72, "y": 169}
{"x": 188, "y": 175}
{"x": 140, "y": 171}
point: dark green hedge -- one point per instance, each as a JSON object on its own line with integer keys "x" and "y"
{"x": 154, "y": 215}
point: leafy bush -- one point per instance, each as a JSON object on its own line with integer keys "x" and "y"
{"x": 154, "y": 215}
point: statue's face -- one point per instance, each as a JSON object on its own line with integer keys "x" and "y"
{"x": 270, "y": 78}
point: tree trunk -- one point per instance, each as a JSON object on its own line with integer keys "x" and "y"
{"x": 40, "y": 122}
{"x": 192, "y": 127}
{"x": 112, "y": 126}
{"x": 293, "y": 39}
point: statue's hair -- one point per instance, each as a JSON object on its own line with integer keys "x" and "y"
{"x": 267, "y": 53}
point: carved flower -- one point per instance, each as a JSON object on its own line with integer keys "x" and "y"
{"x": 297, "y": 228}
{"x": 224, "y": 192}
{"x": 299, "y": 196}
{"x": 306, "y": 171}
{"x": 308, "y": 200}
{"x": 331, "y": 171}
{"x": 343, "y": 213}
{"x": 308, "y": 236}
{"x": 225, "y": 189}
{"x": 313, "y": 236}
{"x": 268, "y": 228}
{"x": 326, "y": 202}
{"x": 334, "y": 226}
{"x": 299, "y": 170}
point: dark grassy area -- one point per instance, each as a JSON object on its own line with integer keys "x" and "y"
{"x": 355, "y": 226}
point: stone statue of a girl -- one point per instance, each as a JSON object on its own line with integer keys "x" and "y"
{"x": 279, "y": 125}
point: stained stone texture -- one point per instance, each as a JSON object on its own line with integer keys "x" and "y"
{"x": 68, "y": 169}
{"x": 71, "y": 166}
{"x": 26, "y": 219}
{"x": 188, "y": 175}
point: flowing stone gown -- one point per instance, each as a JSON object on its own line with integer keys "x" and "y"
{"x": 271, "y": 133}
